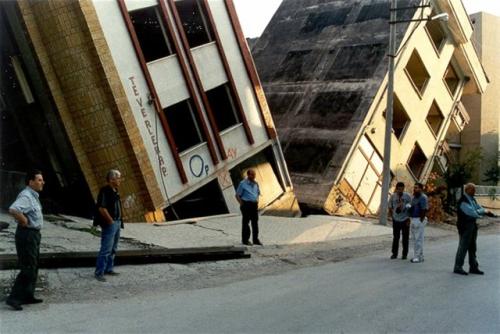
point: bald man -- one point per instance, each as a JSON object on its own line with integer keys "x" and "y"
{"x": 468, "y": 211}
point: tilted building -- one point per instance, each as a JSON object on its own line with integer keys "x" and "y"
{"x": 166, "y": 91}
{"x": 483, "y": 130}
{"x": 323, "y": 65}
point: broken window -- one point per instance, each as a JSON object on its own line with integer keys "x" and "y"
{"x": 223, "y": 107}
{"x": 316, "y": 22}
{"x": 295, "y": 67}
{"x": 436, "y": 33}
{"x": 435, "y": 118}
{"x": 451, "y": 78}
{"x": 400, "y": 119}
{"x": 308, "y": 156}
{"x": 416, "y": 71}
{"x": 356, "y": 62}
{"x": 206, "y": 201}
{"x": 333, "y": 110}
{"x": 184, "y": 124}
{"x": 194, "y": 21}
{"x": 153, "y": 38}
{"x": 417, "y": 161}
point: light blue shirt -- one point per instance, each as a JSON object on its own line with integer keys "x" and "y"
{"x": 401, "y": 202}
{"x": 248, "y": 191}
{"x": 28, "y": 203}
{"x": 472, "y": 209}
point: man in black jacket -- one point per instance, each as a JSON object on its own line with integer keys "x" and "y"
{"x": 468, "y": 211}
{"x": 109, "y": 216}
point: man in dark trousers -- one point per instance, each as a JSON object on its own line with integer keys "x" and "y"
{"x": 247, "y": 194}
{"x": 109, "y": 217}
{"x": 398, "y": 210}
{"x": 468, "y": 211}
{"x": 27, "y": 211}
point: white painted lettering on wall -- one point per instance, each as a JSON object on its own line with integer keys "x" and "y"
{"x": 149, "y": 126}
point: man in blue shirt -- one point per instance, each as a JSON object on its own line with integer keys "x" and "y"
{"x": 247, "y": 195}
{"x": 468, "y": 211}
{"x": 398, "y": 210}
{"x": 418, "y": 210}
{"x": 27, "y": 211}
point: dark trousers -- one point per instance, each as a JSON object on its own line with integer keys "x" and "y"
{"x": 28, "y": 253}
{"x": 397, "y": 228}
{"x": 250, "y": 214}
{"x": 467, "y": 244}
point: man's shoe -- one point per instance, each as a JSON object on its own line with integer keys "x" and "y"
{"x": 460, "y": 271}
{"x": 257, "y": 242}
{"x": 248, "y": 243}
{"x": 476, "y": 271}
{"x": 15, "y": 305}
{"x": 100, "y": 278}
{"x": 112, "y": 273}
{"x": 393, "y": 257}
{"x": 33, "y": 301}
{"x": 403, "y": 257}
{"x": 416, "y": 260}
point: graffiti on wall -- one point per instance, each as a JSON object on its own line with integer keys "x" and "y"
{"x": 232, "y": 152}
{"x": 149, "y": 126}
{"x": 197, "y": 166}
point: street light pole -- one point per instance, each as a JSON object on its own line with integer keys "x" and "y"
{"x": 386, "y": 173}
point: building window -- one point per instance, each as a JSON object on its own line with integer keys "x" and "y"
{"x": 194, "y": 21}
{"x": 153, "y": 37}
{"x": 296, "y": 66}
{"x": 317, "y": 21}
{"x": 417, "y": 72}
{"x": 435, "y": 118}
{"x": 184, "y": 124}
{"x": 309, "y": 156}
{"x": 417, "y": 162}
{"x": 436, "y": 34}
{"x": 451, "y": 78}
{"x": 223, "y": 107}
{"x": 400, "y": 119}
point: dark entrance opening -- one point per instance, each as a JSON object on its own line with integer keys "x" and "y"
{"x": 31, "y": 132}
{"x": 206, "y": 201}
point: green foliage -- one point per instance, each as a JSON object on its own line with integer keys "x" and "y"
{"x": 493, "y": 173}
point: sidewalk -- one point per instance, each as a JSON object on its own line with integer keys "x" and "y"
{"x": 65, "y": 234}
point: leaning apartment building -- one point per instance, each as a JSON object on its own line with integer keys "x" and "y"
{"x": 166, "y": 91}
{"x": 323, "y": 65}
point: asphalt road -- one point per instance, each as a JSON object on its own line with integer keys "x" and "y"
{"x": 365, "y": 295}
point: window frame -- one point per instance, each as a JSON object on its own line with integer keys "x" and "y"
{"x": 414, "y": 85}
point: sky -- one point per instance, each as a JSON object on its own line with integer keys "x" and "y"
{"x": 255, "y": 14}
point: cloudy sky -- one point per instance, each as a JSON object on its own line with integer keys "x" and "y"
{"x": 255, "y": 14}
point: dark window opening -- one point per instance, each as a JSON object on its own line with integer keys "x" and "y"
{"x": 295, "y": 67}
{"x": 184, "y": 124}
{"x": 435, "y": 118}
{"x": 194, "y": 22}
{"x": 356, "y": 62}
{"x": 223, "y": 107}
{"x": 206, "y": 201}
{"x": 400, "y": 119}
{"x": 154, "y": 39}
{"x": 417, "y": 161}
{"x": 417, "y": 72}
{"x": 436, "y": 33}
{"x": 308, "y": 156}
{"x": 451, "y": 78}
{"x": 316, "y": 22}
{"x": 282, "y": 103}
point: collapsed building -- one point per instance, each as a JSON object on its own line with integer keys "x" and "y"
{"x": 324, "y": 69}
{"x": 166, "y": 91}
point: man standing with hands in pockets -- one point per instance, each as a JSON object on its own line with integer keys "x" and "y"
{"x": 400, "y": 220}
{"x": 418, "y": 211}
{"x": 247, "y": 194}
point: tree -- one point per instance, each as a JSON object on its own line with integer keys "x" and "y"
{"x": 459, "y": 173}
